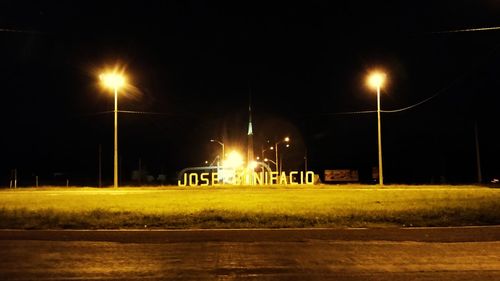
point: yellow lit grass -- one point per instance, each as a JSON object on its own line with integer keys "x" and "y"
{"x": 249, "y": 207}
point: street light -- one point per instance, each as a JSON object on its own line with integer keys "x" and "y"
{"x": 269, "y": 160}
{"x": 114, "y": 81}
{"x": 266, "y": 149}
{"x": 222, "y": 144}
{"x": 281, "y": 158}
{"x": 287, "y": 139}
{"x": 376, "y": 80}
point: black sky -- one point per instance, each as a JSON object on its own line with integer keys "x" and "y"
{"x": 196, "y": 62}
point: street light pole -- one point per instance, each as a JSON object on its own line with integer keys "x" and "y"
{"x": 276, "y": 159}
{"x": 380, "y": 168}
{"x": 114, "y": 80}
{"x": 287, "y": 139}
{"x": 116, "y": 140}
{"x": 376, "y": 80}
{"x": 222, "y": 144}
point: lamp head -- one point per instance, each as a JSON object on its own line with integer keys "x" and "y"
{"x": 376, "y": 79}
{"x": 112, "y": 80}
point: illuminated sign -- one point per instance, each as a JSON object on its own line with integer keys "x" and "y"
{"x": 245, "y": 177}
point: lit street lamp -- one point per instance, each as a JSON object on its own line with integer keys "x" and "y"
{"x": 281, "y": 158}
{"x": 266, "y": 149}
{"x": 222, "y": 144}
{"x": 287, "y": 139}
{"x": 376, "y": 80}
{"x": 269, "y": 160}
{"x": 114, "y": 81}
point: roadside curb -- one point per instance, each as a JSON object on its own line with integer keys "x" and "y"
{"x": 437, "y": 234}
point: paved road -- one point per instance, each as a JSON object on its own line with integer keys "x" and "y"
{"x": 292, "y": 254}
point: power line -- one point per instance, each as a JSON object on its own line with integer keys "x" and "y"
{"x": 395, "y": 110}
{"x": 468, "y": 30}
{"x": 130, "y": 111}
{"x": 400, "y": 109}
{"x": 415, "y": 105}
{"x": 143, "y": 112}
{"x": 452, "y": 83}
{"x": 351, "y": 112}
{"x": 19, "y": 31}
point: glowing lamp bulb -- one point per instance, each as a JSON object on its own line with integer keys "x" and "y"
{"x": 112, "y": 80}
{"x": 376, "y": 80}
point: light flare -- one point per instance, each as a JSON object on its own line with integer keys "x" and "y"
{"x": 376, "y": 79}
{"x": 112, "y": 80}
{"x": 233, "y": 160}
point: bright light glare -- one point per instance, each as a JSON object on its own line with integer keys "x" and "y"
{"x": 269, "y": 160}
{"x": 376, "y": 79}
{"x": 233, "y": 160}
{"x": 287, "y": 139}
{"x": 112, "y": 80}
{"x": 252, "y": 165}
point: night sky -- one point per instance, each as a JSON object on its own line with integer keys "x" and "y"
{"x": 194, "y": 65}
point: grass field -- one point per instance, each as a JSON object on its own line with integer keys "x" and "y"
{"x": 249, "y": 207}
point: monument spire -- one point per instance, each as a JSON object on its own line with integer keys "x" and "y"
{"x": 250, "y": 130}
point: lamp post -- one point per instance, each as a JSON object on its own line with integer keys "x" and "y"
{"x": 114, "y": 81}
{"x": 376, "y": 80}
{"x": 281, "y": 159}
{"x": 222, "y": 144}
{"x": 266, "y": 149}
{"x": 287, "y": 139}
{"x": 269, "y": 160}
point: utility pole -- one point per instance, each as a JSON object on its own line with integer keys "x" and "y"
{"x": 100, "y": 166}
{"x": 120, "y": 169}
{"x": 305, "y": 160}
{"x": 140, "y": 171}
{"x": 478, "y": 155}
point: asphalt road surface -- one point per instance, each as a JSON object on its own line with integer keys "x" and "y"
{"x": 471, "y": 253}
